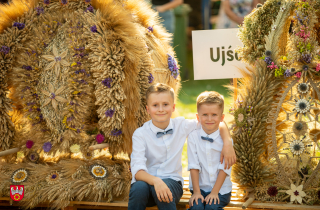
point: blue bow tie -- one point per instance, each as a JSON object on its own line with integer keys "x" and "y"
{"x": 207, "y": 138}
{"x": 159, "y": 134}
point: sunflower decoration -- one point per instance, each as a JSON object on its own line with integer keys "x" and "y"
{"x": 19, "y": 175}
{"x": 98, "y": 171}
{"x": 53, "y": 178}
{"x": 303, "y": 88}
{"x": 303, "y": 105}
{"x": 300, "y": 128}
{"x": 33, "y": 157}
{"x": 242, "y": 117}
{"x": 298, "y": 147}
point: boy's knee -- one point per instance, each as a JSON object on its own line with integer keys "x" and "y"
{"x": 212, "y": 207}
{"x": 139, "y": 189}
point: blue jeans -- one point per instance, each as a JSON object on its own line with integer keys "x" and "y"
{"x": 167, "y": 19}
{"x": 143, "y": 195}
{"x": 224, "y": 200}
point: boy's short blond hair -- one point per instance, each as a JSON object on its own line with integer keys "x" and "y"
{"x": 210, "y": 97}
{"x": 159, "y": 88}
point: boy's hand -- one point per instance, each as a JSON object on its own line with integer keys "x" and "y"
{"x": 163, "y": 192}
{"x": 195, "y": 198}
{"x": 229, "y": 156}
{"x": 212, "y": 197}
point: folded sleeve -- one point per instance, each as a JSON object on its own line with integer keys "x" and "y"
{"x": 193, "y": 158}
{"x": 138, "y": 156}
{"x": 221, "y": 167}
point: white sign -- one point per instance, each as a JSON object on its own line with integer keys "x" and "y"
{"x": 214, "y": 55}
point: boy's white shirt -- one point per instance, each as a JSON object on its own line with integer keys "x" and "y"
{"x": 205, "y": 156}
{"x": 160, "y": 157}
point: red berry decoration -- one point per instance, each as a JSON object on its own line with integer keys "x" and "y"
{"x": 272, "y": 191}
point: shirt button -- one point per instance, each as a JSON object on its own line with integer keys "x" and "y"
{"x": 211, "y": 175}
{"x": 209, "y": 164}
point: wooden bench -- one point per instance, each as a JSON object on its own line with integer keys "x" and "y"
{"x": 235, "y": 204}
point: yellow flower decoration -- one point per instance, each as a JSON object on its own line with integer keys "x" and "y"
{"x": 19, "y": 175}
{"x": 75, "y": 148}
{"x": 73, "y": 64}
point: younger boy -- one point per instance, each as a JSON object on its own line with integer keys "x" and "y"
{"x": 156, "y": 153}
{"x": 210, "y": 183}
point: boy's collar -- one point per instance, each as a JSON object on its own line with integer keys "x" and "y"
{"x": 213, "y": 135}
{"x": 155, "y": 129}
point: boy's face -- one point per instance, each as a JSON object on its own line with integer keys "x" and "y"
{"x": 210, "y": 116}
{"x": 160, "y": 107}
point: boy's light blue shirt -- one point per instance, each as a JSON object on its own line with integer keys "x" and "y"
{"x": 160, "y": 157}
{"x": 205, "y": 156}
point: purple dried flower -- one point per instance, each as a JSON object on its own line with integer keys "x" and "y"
{"x": 79, "y": 49}
{"x": 64, "y": 2}
{"x": 46, "y": 2}
{"x": 94, "y": 29}
{"x": 272, "y": 191}
{"x": 87, "y": 1}
{"x": 306, "y": 58}
{"x": 69, "y": 119}
{"x": 173, "y": 66}
{"x": 26, "y": 88}
{"x": 35, "y": 95}
{"x": 305, "y": 67}
{"x": 287, "y": 73}
{"x": 29, "y": 68}
{"x": 107, "y": 82}
{"x": 116, "y": 132}
{"x": 39, "y": 10}
{"x": 109, "y": 112}
{"x": 47, "y": 146}
{"x": 29, "y": 144}
{"x": 150, "y": 78}
{"x": 58, "y": 58}
{"x": 20, "y": 26}
{"x": 54, "y": 176}
{"x": 90, "y": 9}
{"x": 5, "y": 49}
{"x": 268, "y": 60}
{"x": 71, "y": 103}
{"x": 78, "y": 130}
{"x": 150, "y": 29}
{"x": 38, "y": 109}
{"x": 78, "y": 63}
{"x": 52, "y": 96}
{"x": 99, "y": 138}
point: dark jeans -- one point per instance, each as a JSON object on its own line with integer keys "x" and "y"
{"x": 224, "y": 200}
{"x": 143, "y": 195}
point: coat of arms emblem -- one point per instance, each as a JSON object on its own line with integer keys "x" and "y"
{"x": 16, "y": 192}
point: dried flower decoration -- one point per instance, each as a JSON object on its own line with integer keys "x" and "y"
{"x": 29, "y": 144}
{"x": 53, "y": 178}
{"x": 39, "y": 10}
{"x": 56, "y": 60}
{"x": 94, "y": 29}
{"x": 75, "y": 148}
{"x": 298, "y": 74}
{"x": 302, "y": 106}
{"x": 150, "y": 78}
{"x": 282, "y": 9}
{"x": 268, "y": 53}
{"x": 28, "y": 68}
{"x": 98, "y": 171}
{"x": 172, "y": 64}
{"x": 297, "y": 147}
{"x": 87, "y": 1}
{"x": 20, "y": 26}
{"x": 5, "y": 50}
{"x": 19, "y": 175}
{"x": 47, "y": 146}
{"x": 300, "y": 128}
{"x": 107, "y": 82}
{"x": 109, "y": 112}
{"x": 303, "y": 88}
{"x": 90, "y": 9}
{"x": 296, "y": 193}
{"x": 240, "y": 116}
{"x": 116, "y": 132}
{"x": 64, "y": 2}
{"x": 150, "y": 29}
{"x": 33, "y": 157}
{"x": 99, "y": 138}
{"x": 273, "y": 27}
{"x": 46, "y": 2}
{"x": 53, "y": 96}
{"x": 287, "y": 73}
{"x": 305, "y": 67}
{"x": 88, "y": 155}
{"x": 318, "y": 67}
{"x": 272, "y": 191}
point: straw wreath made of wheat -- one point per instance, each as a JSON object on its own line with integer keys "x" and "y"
{"x": 276, "y": 116}
{"x": 78, "y": 72}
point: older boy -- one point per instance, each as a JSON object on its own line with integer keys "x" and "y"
{"x": 210, "y": 183}
{"x": 156, "y": 153}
